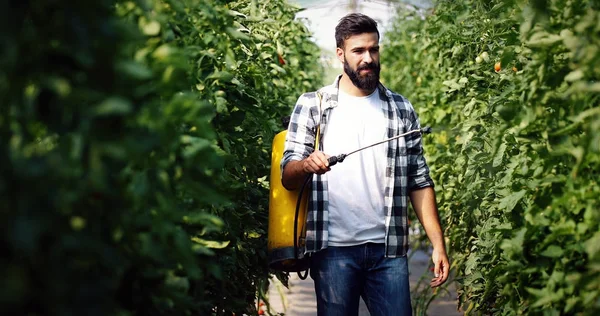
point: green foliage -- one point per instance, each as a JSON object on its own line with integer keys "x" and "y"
{"x": 251, "y": 62}
{"x": 516, "y": 152}
{"x": 134, "y": 148}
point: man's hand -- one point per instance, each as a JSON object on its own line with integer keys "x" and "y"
{"x": 423, "y": 201}
{"x": 296, "y": 171}
{"x": 441, "y": 267}
{"x": 316, "y": 163}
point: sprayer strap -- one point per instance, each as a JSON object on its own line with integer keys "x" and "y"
{"x": 318, "y": 134}
{"x": 317, "y": 143}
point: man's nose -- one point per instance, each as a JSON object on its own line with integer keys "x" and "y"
{"x": 367, "y": 58}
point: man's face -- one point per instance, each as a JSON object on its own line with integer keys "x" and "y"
{"x": 360, "y": 56}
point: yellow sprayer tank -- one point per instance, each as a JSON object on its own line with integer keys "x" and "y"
{"x": 282, "y": 210}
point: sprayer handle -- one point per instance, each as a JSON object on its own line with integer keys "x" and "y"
{"x": 335, "y": 159}
{"x": 332, "y": 160}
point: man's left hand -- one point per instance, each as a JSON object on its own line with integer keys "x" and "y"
{"x": 441, "y": 267}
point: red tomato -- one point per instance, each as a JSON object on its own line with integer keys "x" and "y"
{"x": 497, "y": 67}
{"x": 281, "y": 60}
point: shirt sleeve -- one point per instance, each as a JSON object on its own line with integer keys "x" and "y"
{"x": 300, "y": 138}
{"x": 418, "y": 171}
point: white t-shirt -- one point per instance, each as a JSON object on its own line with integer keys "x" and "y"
{"x": 356, "y": 186}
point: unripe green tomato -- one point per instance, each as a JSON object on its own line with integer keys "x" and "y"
{"x": 485, "y": 56}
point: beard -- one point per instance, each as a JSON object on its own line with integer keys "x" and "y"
{"x": 367, "y": 82}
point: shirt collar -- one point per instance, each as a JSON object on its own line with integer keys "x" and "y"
{"x": 330, "y": 93}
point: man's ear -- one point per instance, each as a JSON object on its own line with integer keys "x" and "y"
{"x": 340, "y": 54}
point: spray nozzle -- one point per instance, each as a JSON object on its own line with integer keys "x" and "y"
{"x": 426, "y": 130}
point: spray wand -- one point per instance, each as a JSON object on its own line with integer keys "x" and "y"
{"x": 340, "y": 158}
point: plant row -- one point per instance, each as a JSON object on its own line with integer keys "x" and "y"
{"x": 512, "y": 91}
{"x": 134, "y": 144}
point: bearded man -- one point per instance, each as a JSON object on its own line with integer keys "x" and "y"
{"x": 357, "y": 221}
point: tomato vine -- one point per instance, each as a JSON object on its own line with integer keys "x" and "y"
{"x": 512, "y": 89}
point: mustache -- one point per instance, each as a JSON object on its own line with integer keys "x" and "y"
{"x": 370, "y": 66}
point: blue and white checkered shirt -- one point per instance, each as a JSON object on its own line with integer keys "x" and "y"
{"x": 406, "y": 167}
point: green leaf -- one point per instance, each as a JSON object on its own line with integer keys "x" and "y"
{"x": 277, "y": 68}
{"x": 202, "y": 250}
{"x": 237, "y": 34}
{"x": 177, "y": 283}
{"x": 213, "y": 244}
{"x": 574, "y": 75}
{"x": 222, "y": 76}
{"x": 194, "y": 145}
{"x": 509, "y": 202}
{"x": 507, "y": 57}
{"x": 113, "y": 106}
{"x": 237, "y": 14}
{"x": 593, "y": 87}
{"x": 569, "y": 39}
{"x": 221, "y": 105}
{"x": 543, "y": 39}
{"x": 135, "y": 70}
{"x": 471, "y": 264}
{"x": 595, "y": 111}
{"x": 553, "y": 251}
{"x": 452, "y": 84}
{"x": 204, "y": 219}
{"x": 592, "y": 246}
{"x": 60, "y": 85}
{"x": 499, "y": 155}
{"x": 514, "y": 246}
{"x": 547, "y": 297}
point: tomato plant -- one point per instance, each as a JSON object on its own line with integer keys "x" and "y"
{"x": 516, "y": 153}
{"x": 134, "y": 148}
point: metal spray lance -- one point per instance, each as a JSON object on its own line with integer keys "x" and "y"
{"x": 340, "y": 158}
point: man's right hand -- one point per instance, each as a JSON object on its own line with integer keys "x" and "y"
{"x": 316, "y": 163}
{"x": 295, "y": 172}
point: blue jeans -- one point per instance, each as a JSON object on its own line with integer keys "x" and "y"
{"x": 343, "y": 274}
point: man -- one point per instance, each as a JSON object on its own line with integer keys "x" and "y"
{"x": 357, "y": 225}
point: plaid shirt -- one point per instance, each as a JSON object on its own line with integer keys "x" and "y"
{"x": 406, "y": 167}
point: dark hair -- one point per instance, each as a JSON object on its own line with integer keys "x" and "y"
{"x": 354, "y": 24}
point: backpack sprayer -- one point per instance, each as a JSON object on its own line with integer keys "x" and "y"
{"x": 285, "y": 205}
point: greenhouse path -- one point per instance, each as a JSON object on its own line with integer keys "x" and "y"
{"x": 299, "y": 299}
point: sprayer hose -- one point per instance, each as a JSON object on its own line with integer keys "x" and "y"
{"x": 298, "y": 202}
